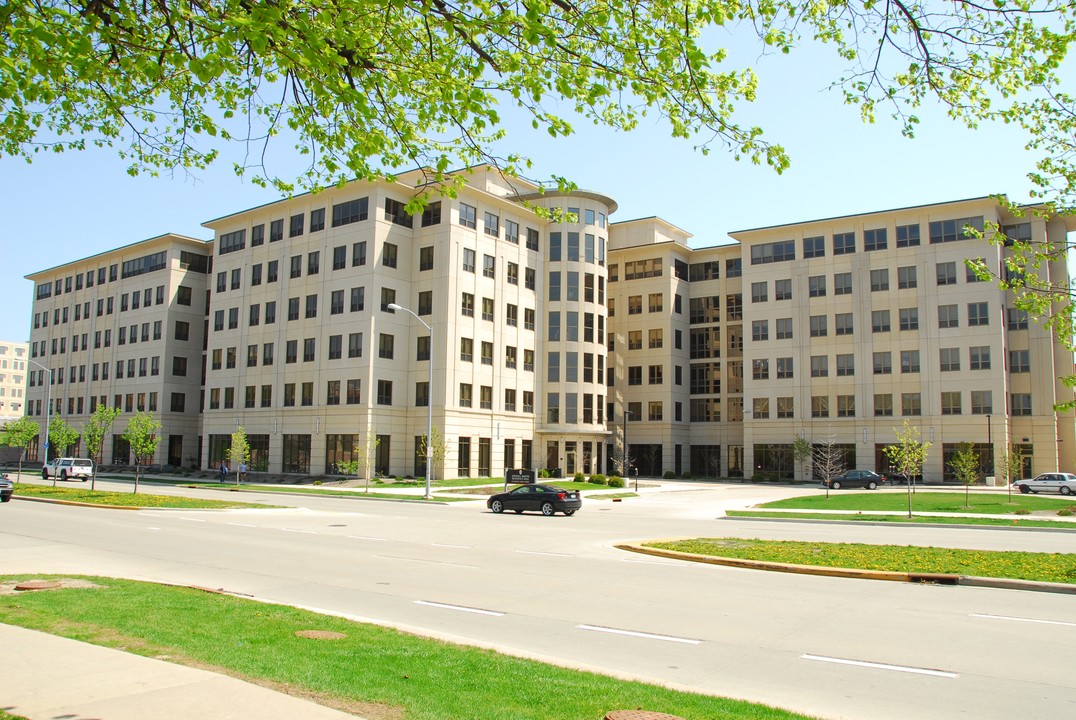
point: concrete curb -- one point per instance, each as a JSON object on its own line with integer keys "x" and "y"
{"x": 935, "y": 578}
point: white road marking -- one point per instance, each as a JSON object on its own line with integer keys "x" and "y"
{"x": 633, "y": 633}
{"x": 424, "y": 560}
{"x": 461, "y": 608}
{"x": 242, "y": 524}
{"x": 365, "y": 537}
{"x": 880, "y": 666}
{"x": 152, "y": 528}
{"x": 192, "y": 519}
{"x": 1021, "y": 619}
{"x": 459, "y": 547}
{"x": 304, "y": 532}
{"x": 539, "y": 552}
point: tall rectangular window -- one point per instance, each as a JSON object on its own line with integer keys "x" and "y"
{"x": 468, "y": 216}
{"x": 844, "y": 243}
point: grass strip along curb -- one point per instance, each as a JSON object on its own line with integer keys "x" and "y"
{"x": 375, "y": 672}
{"x": 1043, "y": 572}
{"x": 123, "y": 501}
{"x": 924, "y": 501}
{"x": 1023, "y": 523}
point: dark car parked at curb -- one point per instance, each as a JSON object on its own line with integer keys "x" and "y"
{"x": 6, "y": 488}
{"x": 856, "y": 478}
{"x": 543, "y": 498}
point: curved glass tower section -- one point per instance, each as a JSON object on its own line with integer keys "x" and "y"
{"x": 570, "y": 425}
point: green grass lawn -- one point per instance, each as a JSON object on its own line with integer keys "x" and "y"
{"x": 125, "y": 499}
{"x": 1022, "y": 521}
{"x": 253, "y": 478}
{"x": 374, "y": 672}
{"x": 356, "y": 493}
{"x": 1043, "y": 567}
{"x": 980, "y": 503}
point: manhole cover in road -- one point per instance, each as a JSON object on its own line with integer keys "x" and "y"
{"x": 640, "y": 715}
{"x": 38, "y": 585}
{"x": 320, "y": 634}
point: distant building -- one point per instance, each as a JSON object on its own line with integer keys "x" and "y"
{"x": 549, "y": 332}
{"x": 12, "y": 380}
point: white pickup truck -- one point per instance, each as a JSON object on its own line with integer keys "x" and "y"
{"x": 67, "y": 468}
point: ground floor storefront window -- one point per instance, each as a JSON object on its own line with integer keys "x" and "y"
{"x": 296, "y": 458}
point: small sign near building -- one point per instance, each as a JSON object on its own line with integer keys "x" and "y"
{"x": 520, "y": 477}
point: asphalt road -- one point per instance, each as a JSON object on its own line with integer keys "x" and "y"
{"x": 556, "y": 589}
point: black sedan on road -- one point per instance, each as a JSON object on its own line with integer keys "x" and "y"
{"x": 6, "y": 488}
{"x": 856, "y": 478}
{"x": 544, "y": 498}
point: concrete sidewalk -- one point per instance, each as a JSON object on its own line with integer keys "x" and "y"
{"x": 46, "y": 677}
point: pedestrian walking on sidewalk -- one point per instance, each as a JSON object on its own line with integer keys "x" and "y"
{"x": 242, "y": 472}
{"x": 223, "y": 471}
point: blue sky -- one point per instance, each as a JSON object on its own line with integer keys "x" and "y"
{"x": 64, "y": 207}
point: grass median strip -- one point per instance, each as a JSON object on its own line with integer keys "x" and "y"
{"x": 126, "y": 499}
{"x": 1041, "y": 567}
{"x": 917, "y": 519}
{"x": 929, "y": 501}
{"x": 374, "y": 672}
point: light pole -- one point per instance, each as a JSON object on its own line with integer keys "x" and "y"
{"x": 989, "y": 446}
{"x": 429, "y": 401}
{"x": 627, "y": 453}
{"x": 48, "y": 408}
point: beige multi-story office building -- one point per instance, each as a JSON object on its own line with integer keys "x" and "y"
{"x": 125, "y": 329}
{"x": 837, "y": 331}
{"x": 563, "y": 341}
{"x": 12, "y": 380}
{"x": 307, "y": 355}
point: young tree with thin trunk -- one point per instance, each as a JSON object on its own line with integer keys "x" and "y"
{"x": 142, "y": 435}
{"x": 802, "y": 450}
{"x": 365, "y": 453}
{"x": 348, "y": 468}
{"x": 61, "y": 436}
{"x": 965, "y": 465}
{"x": 828, "y": 461}
{"x": 239, "y": 453}
{"x": 1011, "y": 465}
{"x": 437, "y": 445}
{"x": 21, "y": 434}
{"x": 94, "y": 431}
{"x": 908, "y": 456}
{"x": 713, "y": 459}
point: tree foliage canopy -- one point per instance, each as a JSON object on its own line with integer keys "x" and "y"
{"x": 96, "y": 428}
{"x": 367, "y": 87}
{"x": 61, "y": 435}
{"x": 909, "y": 453}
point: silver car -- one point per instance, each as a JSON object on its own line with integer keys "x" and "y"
{"x": 1064, "y": 483}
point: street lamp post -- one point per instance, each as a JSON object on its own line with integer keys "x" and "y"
{"x": 989, "y": 446}
{"x": 48, "y": 407}
{"x": 429, "y": 401}
{"x": 627, "y": 453}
